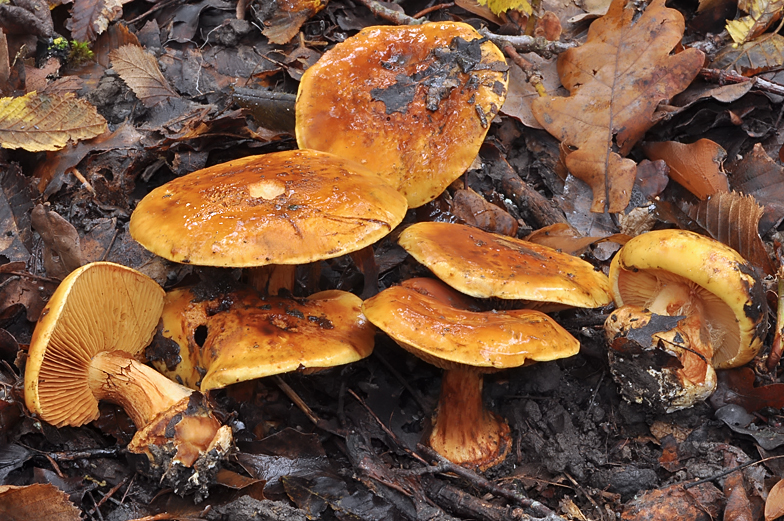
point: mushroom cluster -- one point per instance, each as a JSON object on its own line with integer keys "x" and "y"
{"x": 691, "y": 298}
{"x": 439, "y": 324}
{"x": 84, "y": 349}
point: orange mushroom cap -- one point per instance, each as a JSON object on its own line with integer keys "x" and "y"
{"x": 485, "y": 265}
{"x": 411, "y": 103}
{"x": 287, "y": 207}
{"x": 240, "y": 335}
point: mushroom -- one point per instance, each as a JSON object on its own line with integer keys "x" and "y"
{"x": 466, "y": 345}
{"x": 692, "y": 298}
{"x": 283, "y": 208}
{"x": 485, "y": 265}
{"x": 411, "y": 103}
{"x": 240, "y": 335}
{"x": 84, "y": 350}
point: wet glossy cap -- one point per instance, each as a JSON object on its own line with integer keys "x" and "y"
{"x": 445, "y": 336}
{"x": 485, "y": 265}
{"x": 241, "y": 335}
{"x": 287, "y": 207}
{"x": 98, "y": 307}
{"x": 729, "y": 288}
{"x": 411, "y": 103}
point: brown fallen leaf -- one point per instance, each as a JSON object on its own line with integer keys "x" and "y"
{"x": 616, "y": 80}
{"x": 751, "y": 58}
{"x": 733, "y": 219}
{"x": 759, "y": 175}
{"x": 476, "y": 211}
{"x": 736, "y": 386}
{"x": 564, "y": 237}
{"x": 39, "y": 122}
{"x": 62, "y": 252}
{"x": 738, "y": 506}
{"x": 37, "y": 502}
{"x": 89, "y": 18}
{"x": 140, "y": 71}
{"x": 696, "y": 166}
{"x": 288, "y": 17}
{"x": 700, "y": 503}
{"x": 774, "y": 505}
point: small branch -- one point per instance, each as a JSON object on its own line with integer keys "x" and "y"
{"x": 433, "y": 8}
{"x": 538, "y": 44}
{"x": 391, "y": 15}
{"x": 731, "y": 77}
{"x": 477, "y": 480}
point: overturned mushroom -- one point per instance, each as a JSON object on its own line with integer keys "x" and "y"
{"x": 211, "y": 341}
{"x": 411, "y": 103}
{"x": 84, "y": 350}
{"x": 466, "y": 345}
{"x": 689, "y": 297}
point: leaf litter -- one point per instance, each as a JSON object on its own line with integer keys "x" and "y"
{"x": 160, "y": 101}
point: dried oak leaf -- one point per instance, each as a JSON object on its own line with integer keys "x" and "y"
{"x": 89, "y": 18}
{"x": 695, "y": 166}
{"x": 38, "y": 502}
{"x": 616, "y": 80}
{"x": 733, "y": 219}
{"x": 761, "y": 15}
{"x": 39, "y": 122}
{"x": 140, "y": 71}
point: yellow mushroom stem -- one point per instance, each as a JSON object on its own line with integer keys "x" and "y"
{"x": 160, "y": 408}
{"x": 141, "y": 390}
{"x": 680, "y": 298}
{"x": 465, "y": 432}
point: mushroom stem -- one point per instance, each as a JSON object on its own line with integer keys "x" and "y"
{"x": 272, "y": 278}
{"x": 463, "y": 431}
{"x": 671, "y": 299}
{"x": 141, "y": 390}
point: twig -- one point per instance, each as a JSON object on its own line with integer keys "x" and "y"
{"x": 729, "y": 471}
{"x": 417, "y": 398}
{"x": 533, "y": 76}
{"x": 483, "y": 483}
{"x": 108, "y": 495}
{"x": 537, "y": 44}
{"x": 432, "y": 8}
{"x": 154, "y": 8}
{"x": 731, "y": 77}
{"x": 391, "y": 15}
{"x": 387, "y": 431}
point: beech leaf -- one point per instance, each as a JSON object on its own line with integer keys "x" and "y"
{"x": 89, "y": 18}
{"x": 140, "y": 71}
{"x": 39, "y": 502}
{"x": 695, "y": 166}
{"x": 759, "y": 175}
{"x": 39, "y": 122}
{"x": 733, "y": 219}
{"x": 752, "y": 58}
{"x": 616, "y": 80}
